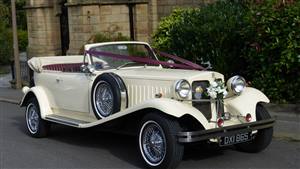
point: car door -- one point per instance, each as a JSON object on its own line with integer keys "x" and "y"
{"x": 68, "y": 89}
{"x": 72, "y": 91}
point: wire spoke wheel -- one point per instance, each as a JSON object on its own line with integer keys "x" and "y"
{"x": 104, "y": 99}
{"x": 153, "y": 143}
{"x": 36, "y": 126}
{"x": 32, "y": 118}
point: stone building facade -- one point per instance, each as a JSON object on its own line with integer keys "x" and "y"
{"x": 58, "y": 27}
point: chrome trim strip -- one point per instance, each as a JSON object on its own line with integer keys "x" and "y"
{"x": 65, "y": 120}
{"x": 194, "y": 136}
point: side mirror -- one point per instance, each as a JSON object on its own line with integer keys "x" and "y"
{"x": 91, "y": 68}
{"x": 87, "y": 68}
{"x": 83, "y": 68}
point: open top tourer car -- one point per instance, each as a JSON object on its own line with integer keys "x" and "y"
{"x": 166, "y": 101}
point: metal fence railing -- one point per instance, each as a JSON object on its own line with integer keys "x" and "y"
{"x": 24, "y": 68}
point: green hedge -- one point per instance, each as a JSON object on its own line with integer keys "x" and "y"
{"x": 111, "y": 36}
{"x": 211, "y": 33}
{"x": 6, "y": 48}
{"x": 6, "y": 41}
{"x": 259, "y": 40}
{"x": 274, "y": 59}
{"x": 6, "y": 38}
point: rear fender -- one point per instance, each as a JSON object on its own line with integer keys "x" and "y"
{"x": 246, "y": 102}
{"x": 41, "y": 97}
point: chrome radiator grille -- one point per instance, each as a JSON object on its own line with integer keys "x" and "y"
{"x": 204, "y": 107}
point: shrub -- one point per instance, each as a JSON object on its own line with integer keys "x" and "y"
{"x": 105, "y": 37}
{"x": 23, "y": 40}
{"x": 259, "y": 40}
{"x": 274, "y": 59}
{"x": 6, "y": 41}
{"x": 211, "y": 33}
{"x": 109, "y": 37}
{"x": 6, "y": 38}
{"x": 6, "y": 48}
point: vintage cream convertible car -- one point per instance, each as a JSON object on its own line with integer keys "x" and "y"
{"x": 168, "y": 104}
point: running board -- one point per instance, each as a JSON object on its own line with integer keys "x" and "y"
{"x": 65, "y": 120}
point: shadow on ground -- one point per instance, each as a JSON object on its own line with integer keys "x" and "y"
{"x": 121, "y": 146}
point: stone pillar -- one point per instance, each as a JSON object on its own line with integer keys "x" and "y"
{"x": 142, "y": 24}
{"x": 153, "y": 16}
{"x": 43, "y": 28}
{"x": 83, "y": 23}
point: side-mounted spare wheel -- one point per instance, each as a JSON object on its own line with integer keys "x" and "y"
{"x": 108, "y": 95}
{"x": 36, "y": 126}
{"x": 158, "y": 143}
{"x": 262, "y": 138}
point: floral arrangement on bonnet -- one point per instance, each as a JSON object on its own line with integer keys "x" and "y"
{"x": 217, "y": 90}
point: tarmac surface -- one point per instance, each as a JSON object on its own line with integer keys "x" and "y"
{"x": 71, "y": 148}
{"x": 4, "y": 80}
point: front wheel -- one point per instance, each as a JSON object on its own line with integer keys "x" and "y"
{"x": 36, "y": 126}
{"x": 158, "y": 143}
{"x": 262, "y": 138}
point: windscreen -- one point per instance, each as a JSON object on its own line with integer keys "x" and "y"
{"x": 134, "y": 50}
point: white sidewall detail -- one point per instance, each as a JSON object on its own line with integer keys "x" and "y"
{"x": 27, "y": 119}
{"x": 94, "y": 98}
{"x": 141, "y": 146}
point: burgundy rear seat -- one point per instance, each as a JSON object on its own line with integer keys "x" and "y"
{"x": 67, "y": 67}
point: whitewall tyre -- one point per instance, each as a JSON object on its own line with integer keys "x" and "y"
{"x": 103, "y": 99}
{"x": 158, "y": 143}
{"x": 36, "y": 126}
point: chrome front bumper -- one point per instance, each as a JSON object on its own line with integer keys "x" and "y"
{"x": 194, "y": 136}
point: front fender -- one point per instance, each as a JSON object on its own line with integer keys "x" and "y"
{"x": 39, "y": 93}
{"x": 168, "y": 106}
{"x": 246, "y": 102}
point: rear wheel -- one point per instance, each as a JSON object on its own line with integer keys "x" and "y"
{"x": 36, "y": 126}
{"x": 262, "y": 138}
{"x": 158, "y": 142}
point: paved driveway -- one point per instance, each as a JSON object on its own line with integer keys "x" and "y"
{"x": 78, "y": 148}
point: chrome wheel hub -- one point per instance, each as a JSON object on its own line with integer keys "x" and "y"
{"x": 104, "y": 99}
{"x": 153, "y": 143}
{"x": 32, "y": 118}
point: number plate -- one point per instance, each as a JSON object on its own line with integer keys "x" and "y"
{"x": 235, "y": 139}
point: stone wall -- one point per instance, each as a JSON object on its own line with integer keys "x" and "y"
{"x": 88, "y": 17}
{"x": 165, "y": 7}
{"x": 43, "y": 29}
{"x": 83, "y": 21}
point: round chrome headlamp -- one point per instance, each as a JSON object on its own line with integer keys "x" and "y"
{"x": 237, "y": 84}
{"x": 182, "y": 88}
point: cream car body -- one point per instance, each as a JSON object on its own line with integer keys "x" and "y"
{"x": 66, "y": 97}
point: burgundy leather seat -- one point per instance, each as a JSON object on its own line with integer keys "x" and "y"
{"x": 67, "y": 67}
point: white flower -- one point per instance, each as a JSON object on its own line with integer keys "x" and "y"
{"x": 214, "y": 84}
{"x": 216, "y": 90}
